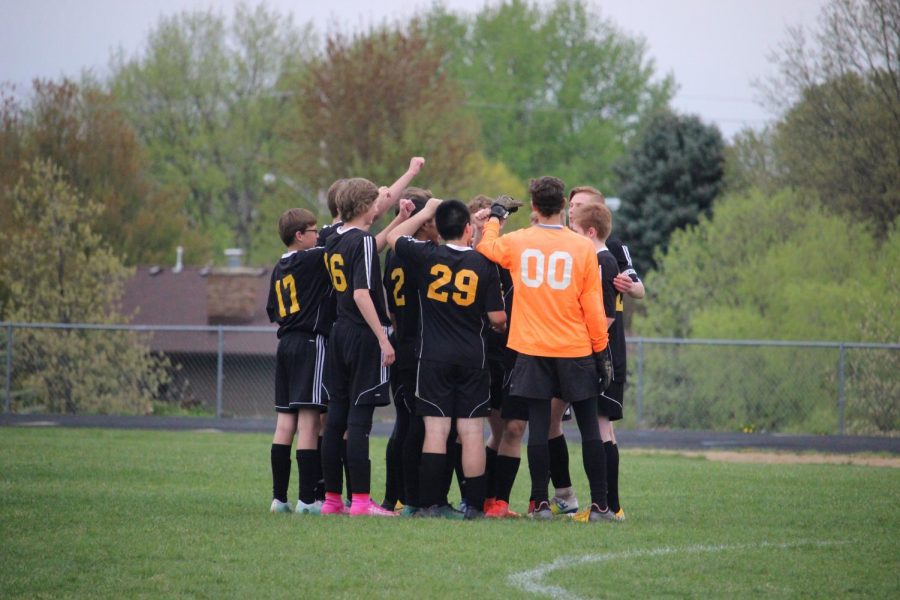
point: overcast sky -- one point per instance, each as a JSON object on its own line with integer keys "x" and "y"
{"x": 714, "y": 48}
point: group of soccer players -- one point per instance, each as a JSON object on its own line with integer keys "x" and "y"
{"x": 431, "y": 333}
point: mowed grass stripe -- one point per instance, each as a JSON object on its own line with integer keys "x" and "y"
{"x": 105, "y": 513}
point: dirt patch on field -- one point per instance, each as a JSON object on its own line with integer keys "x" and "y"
{"x": 788, "y": 458}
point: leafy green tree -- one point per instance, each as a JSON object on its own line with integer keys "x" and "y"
{"x": 82, "y": 131}
{"x": 59, "y": 270}
{"x": 557, "y": 89}
{"x": 773, "y": 267}
{"x": 371, "y": 101}
{"x": 667, "y": 182}
{"x": 205, "y": 98}
{"x": 840, "y": 100}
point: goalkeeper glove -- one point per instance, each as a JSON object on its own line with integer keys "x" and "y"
{"x": 604, "y": 368}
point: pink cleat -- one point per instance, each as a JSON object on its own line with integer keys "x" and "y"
{"x": 334, "y": 505}
{"x": 369, "y": 509}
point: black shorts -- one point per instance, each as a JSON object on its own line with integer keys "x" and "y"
{"x": 544, "y": 377}
{"x": 403, "y": 381}
{"x": 609, "y": 403}
{"x": 499, "y": 382}
{"x": 445, "y": 390}
{"x": 354, "y": 367}
{"x": 514, "y": 408}
{"x": 299, "y": 362}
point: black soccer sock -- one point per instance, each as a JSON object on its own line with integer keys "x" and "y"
{"x": 392, "y": 479}
{"x": 475, "y": 487}
{"x": 539, "y": 468}
{"x": 346, "y": 465}
{"x": 612, "y": 475}
{"x": 505, "y": 476}
{"x": 559, "y": 462}
{"x": 306, "y": 463}
{"x": 490, "y": 456}
{"x": 412, "y": 452}
{"x": 281, "y": 471}
{"x": 461, "y": 479}
{"x": 595, "y": 468}
{"x": 432, "y": 473}
{"x": 450, "y": 464}
{"x": 320, "y": 481}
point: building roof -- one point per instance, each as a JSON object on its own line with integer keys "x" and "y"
{"x": 201, "y": 296}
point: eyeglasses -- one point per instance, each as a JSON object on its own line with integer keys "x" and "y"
{"x": 310, "y": 231}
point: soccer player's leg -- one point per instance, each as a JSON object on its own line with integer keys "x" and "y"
{"x": 336, "y": 376}
{"x": 434, "y": 403}
{"x": 610, "y": 408}
{"x": 509, "y": 452}
{"x": 563, "y": 500}
{"x": 578, "y": 377}
{"x": 369, "y": 387}
{"x": 471, "y": 406}
{"x": 394, "y": 487}
{"x": 285, "y": 424}
{"x": 307, "y": 459}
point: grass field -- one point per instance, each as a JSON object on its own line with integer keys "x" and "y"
{"x": 103, "y": 513}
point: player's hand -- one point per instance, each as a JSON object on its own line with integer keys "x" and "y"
{"x": 387, "y": 352}
{"x": 384, "y": 194}
{"x": 499, "y": 211}
{"x": 623, "y": 283}
{"x": 480, "y": 218}
{"x": 415, "y": 165}
{"x": 406, "y": 208}
{"x": 604, "y": 368}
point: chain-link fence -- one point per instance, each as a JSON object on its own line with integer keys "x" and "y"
{"x": 719, "y": 385}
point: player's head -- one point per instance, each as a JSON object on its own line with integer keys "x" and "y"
{"x": 585, "y": 194}
{"x": 297, "y": 227}
{"x": 356, "y": 198}
{"x": 420, "y": 197}
{"x": 593, "y": 221}
{"x": 331, "y": 199}
{"x": 453, "y": 220}
{"x": 547, "y": 195}
{"x": 479, "y": 202}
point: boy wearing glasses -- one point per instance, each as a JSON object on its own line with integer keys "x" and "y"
{"x": 297, "y": 288}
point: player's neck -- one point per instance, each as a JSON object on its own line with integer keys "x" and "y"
{"x": 598, "y": 244}
{"x": 551, "y": 220}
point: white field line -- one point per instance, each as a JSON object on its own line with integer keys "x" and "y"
{"x": 532, "y": 580}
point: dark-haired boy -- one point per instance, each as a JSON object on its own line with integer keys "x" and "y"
{"x": 558, "y": 328}
{"x": 298, "y": 285}
{"x": 459, "y": 295}
{"x": 359, "y": 352}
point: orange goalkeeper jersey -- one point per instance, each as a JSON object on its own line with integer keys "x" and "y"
{"x": 558, "y": 306}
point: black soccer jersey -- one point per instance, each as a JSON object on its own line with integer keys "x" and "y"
{"x": 456, "y": 287}
{"x": 352, "y": 263}
{"x": 497, "y": 340}
{"x": 297, "y": 290}
{"x": 326, "y": 232}
{"x": 617, "y": 332}
{"x": 609, "y": 269}
{"x": 403, "y": 303}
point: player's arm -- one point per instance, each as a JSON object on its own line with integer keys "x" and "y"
{"x": 609, "y": 296}
{"x": 494, "y": 305}
{"x": 384, "y": 204}
{"x": 627, "y": 281}
{"x": 591, "y": 300}
{"x": 411, "y": 225}
{"x": 367, "y": 310}
{"x": 492, "y": 246}
{"x": 406, "y": 208}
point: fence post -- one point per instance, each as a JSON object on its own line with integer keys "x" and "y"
{"x": 7, "y": 404}
{"x": 639, "y": 422}
{"x": 220, "y": 372}
{"x": 842, "y": 399}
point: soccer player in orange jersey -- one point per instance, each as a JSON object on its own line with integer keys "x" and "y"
{"x": 559, "y": 330}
